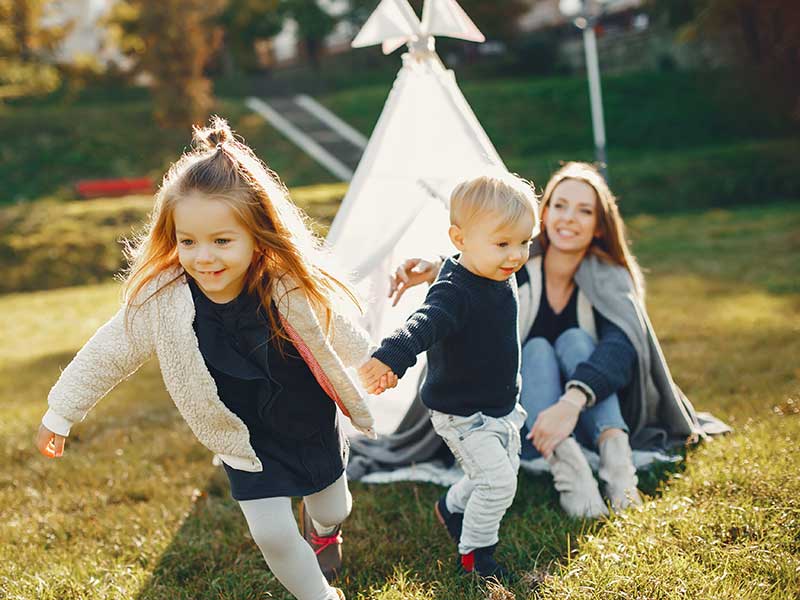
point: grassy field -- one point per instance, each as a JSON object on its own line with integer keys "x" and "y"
{"x": 58, "y": 144}
{"x": 135, "y": 510}
{"x": 86, "y": 236}
{"x": 677, "y": 141}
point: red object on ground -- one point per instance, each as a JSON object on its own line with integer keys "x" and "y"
{"x": 95, "y": 188}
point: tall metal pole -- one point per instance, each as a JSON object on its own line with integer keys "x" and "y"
{"x": 595, "y": 95}
{"x": 584, "y": 14}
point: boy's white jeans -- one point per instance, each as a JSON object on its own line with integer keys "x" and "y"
{"x": 487, "y": 450}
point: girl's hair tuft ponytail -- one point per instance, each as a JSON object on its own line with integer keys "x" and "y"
{"x": 212, "y": 137}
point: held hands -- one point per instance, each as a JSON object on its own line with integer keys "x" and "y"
{"x": 556, "y": 423}
{"x": 49, "y": 444}
{"x": 411, "y": 272}
{"x": 376, "y": 377}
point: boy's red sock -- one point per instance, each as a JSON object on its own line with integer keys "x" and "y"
{"x": 468, "y": 562}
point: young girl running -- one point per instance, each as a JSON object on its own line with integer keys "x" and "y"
{"x": 228, "y": 289}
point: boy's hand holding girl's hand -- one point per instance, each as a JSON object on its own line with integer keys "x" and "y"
{"x": 376, "y": 377}
{"x": 49, "y": 444}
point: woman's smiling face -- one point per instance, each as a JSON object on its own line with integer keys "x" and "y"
{"x": 570, "y": 218}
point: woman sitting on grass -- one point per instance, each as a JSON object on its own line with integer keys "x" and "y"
{"x": 592, "y": 370}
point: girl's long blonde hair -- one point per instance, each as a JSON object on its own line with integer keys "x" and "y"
{"x": 611, "y": 245}
{"x": 221, "y": 167}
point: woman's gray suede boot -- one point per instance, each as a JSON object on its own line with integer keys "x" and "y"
{"x": 619, "y": 473}
{"x": 578, "y": 492}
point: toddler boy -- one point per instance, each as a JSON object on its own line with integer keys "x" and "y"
{"x": 468, "y": 326}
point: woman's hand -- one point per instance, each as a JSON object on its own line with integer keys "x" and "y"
{"x": 556, "y": 423}
{"x": 49, "y": 444}
{"x": 411, "y": 272}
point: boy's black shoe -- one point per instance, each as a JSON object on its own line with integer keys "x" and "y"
{"x": 482, "y": 562}
{"x": 453, "y": 522}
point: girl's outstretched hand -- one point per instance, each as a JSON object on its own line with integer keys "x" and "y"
{"x": 49, "y": 444}
{"x": 556, "y": 423}
{"x": 411, "y": 272}
{"x": 373, "y": 374}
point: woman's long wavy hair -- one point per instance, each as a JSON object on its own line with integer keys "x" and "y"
{"x": 611, "y": 245}
{"x": 221, "y": 167}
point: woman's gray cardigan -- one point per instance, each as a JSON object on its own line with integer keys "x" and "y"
{"x": 655, "y": 409}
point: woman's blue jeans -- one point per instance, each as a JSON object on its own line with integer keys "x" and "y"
{"x": 545, "y": 370}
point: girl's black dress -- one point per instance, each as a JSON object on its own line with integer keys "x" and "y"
{"x": 293, "y": 423}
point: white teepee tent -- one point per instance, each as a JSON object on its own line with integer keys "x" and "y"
{"x": 427, "y": 139}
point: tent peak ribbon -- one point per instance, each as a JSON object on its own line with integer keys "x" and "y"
{"x": 394, "y": 23}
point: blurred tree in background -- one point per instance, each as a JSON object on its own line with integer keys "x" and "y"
{"x": 497, "y": 20}
{"x": 358, "y": 11}
{"x": 245, "y": 22}
{"x": 767, "y": 33}
{"x": 172, "y": 42}
{"x": 26, "y": 40}
{"x": 313, "y": 25}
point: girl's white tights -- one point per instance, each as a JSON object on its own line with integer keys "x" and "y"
{"x": 288, "y": 555}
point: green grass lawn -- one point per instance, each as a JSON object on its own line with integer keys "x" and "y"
{"x": 55, "y": 145}
{"x": 677, "y": 141}
{"x": 135, "y": 510}
{"x": 85, "y": 236}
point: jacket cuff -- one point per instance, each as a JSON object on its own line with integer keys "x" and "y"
{"x": 591, "y": 399}
{"x": 395, "y": 359}
{"x": 56, "y": 423}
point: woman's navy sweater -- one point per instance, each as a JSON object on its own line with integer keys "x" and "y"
{"x": 610, "y": 366}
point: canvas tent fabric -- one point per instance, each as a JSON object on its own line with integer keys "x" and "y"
{"x": 427, "y": 140}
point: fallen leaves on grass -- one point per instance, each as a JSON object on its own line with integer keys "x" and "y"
{"x": 790, "y": 406}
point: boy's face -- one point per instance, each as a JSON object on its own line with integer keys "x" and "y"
{"x": 492, "y": 249}
{"x": 213, "y": 246}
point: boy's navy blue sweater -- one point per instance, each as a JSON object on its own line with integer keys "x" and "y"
{"x": 468, "y": 325}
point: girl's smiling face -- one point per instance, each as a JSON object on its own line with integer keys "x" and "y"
{"x": 214, "y": 247}
{"x": 570, "y": 218}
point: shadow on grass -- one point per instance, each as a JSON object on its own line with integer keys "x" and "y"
{"x": 210, "y": 554}
{"x": 392, "y": 531}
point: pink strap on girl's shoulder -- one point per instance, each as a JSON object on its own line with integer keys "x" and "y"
{"x": 315, "y": 367}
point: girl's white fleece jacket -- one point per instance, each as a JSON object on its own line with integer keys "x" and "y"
{"x": 162, "y": 326}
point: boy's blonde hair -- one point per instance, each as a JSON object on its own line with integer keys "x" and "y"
{"x": 222, "y": 167}
{"x": 502, "y": 194}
